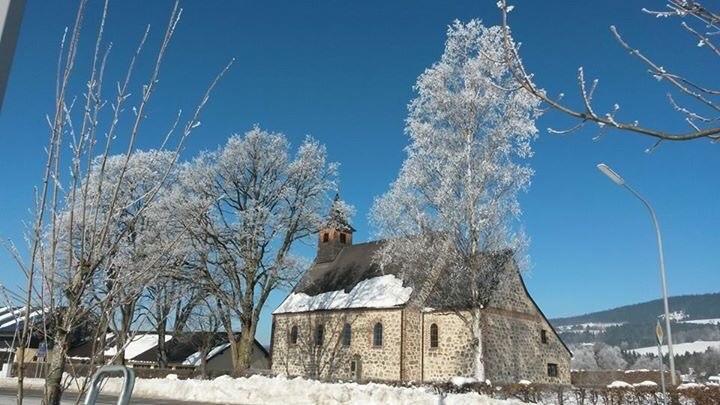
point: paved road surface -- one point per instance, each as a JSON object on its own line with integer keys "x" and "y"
{"x": 7, "y": 397}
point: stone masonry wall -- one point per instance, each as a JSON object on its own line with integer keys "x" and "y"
{"x": 454, "y": 354}
{"x": 331, "y": 359}
{"x": 512, "y": 330}
{"x": 412, "y": 344}
{"x": 512, "y": 339}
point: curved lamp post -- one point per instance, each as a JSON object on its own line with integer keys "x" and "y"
{"x": 607, "y": 171}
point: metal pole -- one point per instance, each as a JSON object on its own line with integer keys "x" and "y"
{"x": 11, "y": 12}
{"x": 663, "y": 281}
{"x": 662, "y": 373}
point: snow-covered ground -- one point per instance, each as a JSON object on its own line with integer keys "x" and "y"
{"x": 680, "y": 348}
{"x": 280, "y": 390}
{"x": 591, "y": 327}
{"x": 712, "y": 321}
{"x": 676, "y": 316}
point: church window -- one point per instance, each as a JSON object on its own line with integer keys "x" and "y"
{"x": 293, "y": 335}
{"x": 378, "y": 334}
{"x": 346, "y": 335}
{"x": 434, "y": 335}
{"x": 326, "y": 237}
{"x": 343, "y": 238}
{"x": 319, "y": 335}
{"x": 543, "y": 336}
{"x": 552, "y": 370}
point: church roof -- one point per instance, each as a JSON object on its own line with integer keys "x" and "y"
{"x": 345, "y": 283}
{"x": 352, "y": 265}
{"x": 354, "y": 280}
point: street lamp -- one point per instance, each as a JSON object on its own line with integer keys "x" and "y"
{"x": 610, "y": 173}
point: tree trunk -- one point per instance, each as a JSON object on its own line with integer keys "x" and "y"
{"x": 243, "y": 347}
{"x": 204, "y": 361}
{"x": 479, "y": 364}
{"x": 126, "y": 317}
{"x": 162, "y": 357}
{"x": 53, "y": 380}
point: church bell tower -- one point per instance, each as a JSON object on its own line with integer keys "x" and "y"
{"x": 335, "y": 234}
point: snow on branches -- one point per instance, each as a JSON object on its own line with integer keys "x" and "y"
{"x": 471, "y": 126}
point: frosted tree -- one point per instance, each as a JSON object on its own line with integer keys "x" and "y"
{"x": 609, "y": 357}
{"x": 646, "y": 363}
{"x": 583, "y": 358}
{"x": 695, "y": 101}
{"x": 451, "y": 213}
{"x": 171, "y": 297}
{"x": 79, "y": 240}
{"x": 133, "y": 237}
{"x": 245, "y": 206}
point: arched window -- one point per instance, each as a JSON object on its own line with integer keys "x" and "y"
{"x": 433, "y": 335}
{"x": 378, "y": 334}
{"x": 319, "y": 335}
{"x": 326, "y": 237}
{"x": 346, "y": 335}
{"x": 343, "y": 238}
{"x": 293, "y": 335}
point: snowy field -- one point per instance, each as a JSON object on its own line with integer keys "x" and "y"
{"x": 279, "y": 390}
{"x": 712, "y": 321}
{"x": 680, "y": 348}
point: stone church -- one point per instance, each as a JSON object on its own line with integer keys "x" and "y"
{"x": 348, "y": 319}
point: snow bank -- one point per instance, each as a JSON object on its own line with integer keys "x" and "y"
{"x": 619, "y": 384}
{"x": 688, "y": 386}
{"x": 460, "y": 381}
{"x": 282, "y": 391}
{"x": 378, "y": 292}
{"x": 646, "y": 384}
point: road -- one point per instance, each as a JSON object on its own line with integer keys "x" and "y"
{"x": 7, "y": 397}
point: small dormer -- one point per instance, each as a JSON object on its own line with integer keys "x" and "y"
{"x": 335, "y": 234}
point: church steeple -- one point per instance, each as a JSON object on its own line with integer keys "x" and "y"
{"x": 335, "y": 234}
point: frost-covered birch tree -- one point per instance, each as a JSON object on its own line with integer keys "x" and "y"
{"x": 245, "y": 206}
{"x": 454, "y": 205}
{"x": 85, "y": 219}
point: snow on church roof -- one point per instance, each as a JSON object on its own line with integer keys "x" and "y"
{"x": 378, "y": 292}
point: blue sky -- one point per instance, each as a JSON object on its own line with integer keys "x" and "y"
{"x": 343, "y": 72}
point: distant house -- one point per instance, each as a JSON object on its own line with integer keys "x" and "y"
{"x": 11, "y": 324}
{"x": 219, "y": 358}
{"x": 349, "y": 319}
{"x": 182, "y": 350}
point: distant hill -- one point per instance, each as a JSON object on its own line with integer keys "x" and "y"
{"x": 704, "y": 306}
{"x": 695, "y": 317}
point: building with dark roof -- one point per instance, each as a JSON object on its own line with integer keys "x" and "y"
{"x": 184, "y": 349}
{"x": 348, "y": 318}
